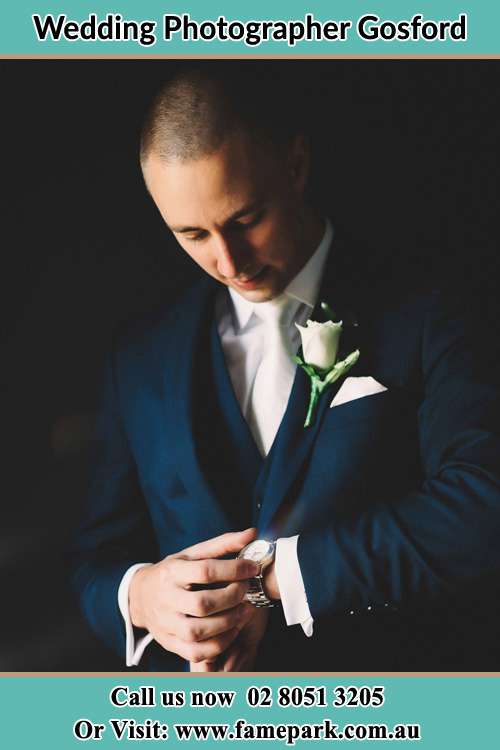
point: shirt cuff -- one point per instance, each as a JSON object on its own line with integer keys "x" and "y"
{"x": 291, "y": 585}
{"x": 133, "y": 650}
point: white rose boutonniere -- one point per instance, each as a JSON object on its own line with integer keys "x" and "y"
{"x": 320, "y": 344}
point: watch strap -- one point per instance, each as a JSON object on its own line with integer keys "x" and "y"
{"x": 256, "y": 594}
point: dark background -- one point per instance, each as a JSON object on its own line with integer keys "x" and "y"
{"x": 406, "y": 157}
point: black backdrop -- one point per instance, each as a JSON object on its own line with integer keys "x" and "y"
{"x": 406, "y": 160}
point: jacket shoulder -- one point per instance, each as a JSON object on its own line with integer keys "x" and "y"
{"x": 151, "y": 332}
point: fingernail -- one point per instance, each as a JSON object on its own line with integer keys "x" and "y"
{"x": 253, "y": 568}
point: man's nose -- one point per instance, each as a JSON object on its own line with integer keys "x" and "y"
{"x": 228, "y": 258}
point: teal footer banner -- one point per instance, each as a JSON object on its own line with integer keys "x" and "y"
{"x": 286, "y": 711}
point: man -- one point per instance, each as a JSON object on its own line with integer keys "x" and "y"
{"x": 385, "y": 511}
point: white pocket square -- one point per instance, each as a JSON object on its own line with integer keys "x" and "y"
{"x": 353, "y": 388}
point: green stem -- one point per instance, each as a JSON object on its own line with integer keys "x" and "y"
{"x": 313, "y": 401}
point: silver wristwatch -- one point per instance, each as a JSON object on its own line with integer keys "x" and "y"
{"x": 262, "y": 552}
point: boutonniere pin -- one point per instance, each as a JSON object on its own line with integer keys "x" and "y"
{"x": 320, "y": 344}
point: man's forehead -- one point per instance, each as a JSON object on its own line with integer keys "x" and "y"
{"x": 238, "y": 157}
{"x": 192, "y": 192}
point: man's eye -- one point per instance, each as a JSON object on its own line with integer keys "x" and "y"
{"x": 195, "y": 237}
{"x": 249, "y": 221}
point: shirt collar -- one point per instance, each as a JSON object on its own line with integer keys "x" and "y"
{"x": 304, "y": 287}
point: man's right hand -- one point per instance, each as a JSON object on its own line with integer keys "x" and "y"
{"x": 200, "y": 624}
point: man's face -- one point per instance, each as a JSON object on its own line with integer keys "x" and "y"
{"x": 238, "y": 213}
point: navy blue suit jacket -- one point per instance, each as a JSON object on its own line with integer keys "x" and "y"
{"x": 396, "y": 496}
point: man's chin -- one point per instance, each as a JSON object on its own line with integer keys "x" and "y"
{"x": 263, "y": 294}
{"x": 267, "y": 289}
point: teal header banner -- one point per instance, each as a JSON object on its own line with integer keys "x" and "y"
{"x": 259, "y": 28}
{"x": 431, "y": 713}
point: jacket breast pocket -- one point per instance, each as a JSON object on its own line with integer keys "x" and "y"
{"x": 388, "y": 404}
{"x": 367, "y": 450}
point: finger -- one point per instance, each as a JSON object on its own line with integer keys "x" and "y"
{"x": 238, "y": 658}
{"x": 197, "y": 629}
{"x": 194, "y": 629}
{"x": 188, "y": 572}
{"x": 220, "y": 545}
{"x": 210, "y": 601}
{"x": 245, "y": 661}
{"x": 203, "y": 666}
{"x": 207, "y": 650}
{"x": 232, "y": 656}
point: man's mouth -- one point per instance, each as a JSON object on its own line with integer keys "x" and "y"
{"x": 248, "y": 282}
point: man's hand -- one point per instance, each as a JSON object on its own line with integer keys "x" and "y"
{"x": 241, "y": 655}
{"x": 195, "y": 624}
{"x": 270, "y": 582}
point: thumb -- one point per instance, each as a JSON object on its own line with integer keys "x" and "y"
{"x": 233, "y": 655}
{"x": 203, "y": 666}
{"x": 220, "y": 545}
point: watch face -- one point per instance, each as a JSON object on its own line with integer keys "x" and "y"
{"x": 259, "y": 551}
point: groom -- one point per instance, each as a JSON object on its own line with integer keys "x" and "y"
{"x": 366, "y": 538}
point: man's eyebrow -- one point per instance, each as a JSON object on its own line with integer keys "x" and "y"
{"x": 248, "y": 209}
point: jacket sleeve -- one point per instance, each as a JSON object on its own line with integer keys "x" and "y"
{"x": 116, "y": 531}
{"x": 446, "y": 531}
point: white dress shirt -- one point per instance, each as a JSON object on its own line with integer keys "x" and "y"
{"x": 241, "y": 335}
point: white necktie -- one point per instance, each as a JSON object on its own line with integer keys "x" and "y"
{"x": 274, "y": 377}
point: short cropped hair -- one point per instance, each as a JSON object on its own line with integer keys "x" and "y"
{"x": 201, "y": 105}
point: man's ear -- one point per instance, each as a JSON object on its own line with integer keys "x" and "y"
{"x": 298, "y": 162}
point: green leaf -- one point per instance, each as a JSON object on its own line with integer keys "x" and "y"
{"x": 352, "y": 358}
{"x": 333, "y": 375}
{"x": 341, "y": 368}
{"x": 311, "y": 372}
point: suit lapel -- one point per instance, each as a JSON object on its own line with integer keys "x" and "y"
{"x": 238, "y": 427}
{"x": 294, "y": 443}
{"x": 230, "y": 458}
{"x": 182, "y": 381}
